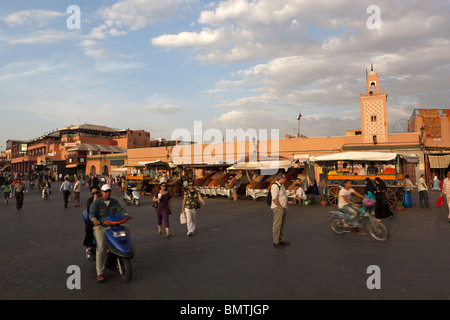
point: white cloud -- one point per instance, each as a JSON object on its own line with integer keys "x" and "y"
{"x": 45, "y": 37}
{"x": 37, "y": 18}
{"x": 132, "y": 15}
{"x": 163, "y": 109}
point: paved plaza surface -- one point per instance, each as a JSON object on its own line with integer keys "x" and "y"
{"x": 231, "y": 256}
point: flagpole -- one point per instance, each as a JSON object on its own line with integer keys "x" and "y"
{"x": 298, "y": 125}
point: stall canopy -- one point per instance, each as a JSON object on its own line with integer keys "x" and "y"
{"x": 440, "y": 161}
{"x": 157, "y": 163}
{"x": 206, "y": 165}
{"x": 364, "y": 156}
{"x": 264, "y": 163}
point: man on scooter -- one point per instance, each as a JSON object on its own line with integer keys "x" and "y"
{"x": 101, "y": 208}
{"x": 350, "y": 208}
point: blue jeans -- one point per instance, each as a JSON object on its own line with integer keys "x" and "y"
{"x": 352, "y": 213}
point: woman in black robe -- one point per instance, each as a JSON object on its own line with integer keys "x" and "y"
{"x": 369, "y": 187}
{"x": 382, "y": 209}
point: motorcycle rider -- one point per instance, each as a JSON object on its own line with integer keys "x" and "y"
{"x": 350, "y": 208}
{"x": 101, "y": 208}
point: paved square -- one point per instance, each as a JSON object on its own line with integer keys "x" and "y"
{"x": 230, "y": 257}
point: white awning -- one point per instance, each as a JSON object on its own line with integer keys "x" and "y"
{"x": 263, "y": 164}
{"x": 157, "y": 163}
{"x": 439, "y": 162}
{"x": 363, "y": 156}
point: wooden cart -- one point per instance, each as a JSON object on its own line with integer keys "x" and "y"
{"x": 335, "y": 172}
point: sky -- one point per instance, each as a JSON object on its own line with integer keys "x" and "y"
{"x": 233, "y": 64}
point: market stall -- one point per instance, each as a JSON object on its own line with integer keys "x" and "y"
{"x": 338, "y": 167}
{"x": 159, "y": 171}
{"x": 261, "y": 178}
{"x": 219, "y": 183}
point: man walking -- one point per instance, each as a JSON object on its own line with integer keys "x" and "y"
{"x": 279, "y": 206}
{"x": 423, "y": 192}
{"x": 446, "y": 191}
{"x": 19, "y": 193}
{"x": 66, "y": 189}
{"x": 77, "y": 190}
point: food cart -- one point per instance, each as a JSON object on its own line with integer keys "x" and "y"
{"x": 153, "y": 182}
{"x": 338, "y": 167}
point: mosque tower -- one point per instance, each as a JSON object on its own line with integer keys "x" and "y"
{"x": 373, "y": 111}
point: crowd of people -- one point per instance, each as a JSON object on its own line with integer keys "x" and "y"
{"x": 100, "y": 204}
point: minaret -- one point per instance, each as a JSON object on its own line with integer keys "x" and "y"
{"x": 373, "y": 111}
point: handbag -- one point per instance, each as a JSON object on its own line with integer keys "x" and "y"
{"x": 440, "y": 202}
{"x": 155, "y": 204}
{"x": 183, "y": 218}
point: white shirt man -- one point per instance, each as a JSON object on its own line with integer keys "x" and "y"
{"x": 279, "y": 206}
{"x": 423, "y": 193}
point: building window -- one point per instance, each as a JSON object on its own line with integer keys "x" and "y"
{"x": 373, "y": 118}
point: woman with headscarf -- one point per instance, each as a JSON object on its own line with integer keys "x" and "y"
{"x": 382, "y": 209}
{"x": 370, "y": 187}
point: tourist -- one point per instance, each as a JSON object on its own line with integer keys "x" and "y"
{"x": 66, "y": 189}
{"x": 19, "y": 193}
{"x": 382, "y": 209}
{"x": 446, "y": 191}
{"x": 76, "y": 191}
{"x": 423, "y": 193}
{"x": 6, "y": 190}
{"x": 190, "y": 206}
{"x": 162, "y": 198}
{"x": 279, "y": 207}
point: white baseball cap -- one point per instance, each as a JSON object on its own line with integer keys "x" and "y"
{"x": 106, "y": 187}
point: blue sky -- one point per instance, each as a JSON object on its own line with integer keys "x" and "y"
{"x": 161, "y": 65}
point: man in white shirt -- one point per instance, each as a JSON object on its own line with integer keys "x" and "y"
{"x": 409, "y": 185}
{"x": 77, "y": 190}
{"x": 363, "y": 170}
{"x": 279, "y": 206}
{"x": 66, "y": 189}
{"x": 423, "y": 193}
{"x": 352, "y": 209}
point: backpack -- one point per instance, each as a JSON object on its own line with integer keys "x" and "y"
{"x": 269, "y": 195}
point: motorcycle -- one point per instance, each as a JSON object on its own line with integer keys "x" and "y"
{"x": 366, "y": 221}
{"x": 120, "y": 250}
{"x": 132, "y": 196}
{"x": 32, "y": 184}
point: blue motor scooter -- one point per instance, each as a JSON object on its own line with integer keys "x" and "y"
{"x": 120, "y": 249}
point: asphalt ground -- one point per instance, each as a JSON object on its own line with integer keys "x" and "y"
{"x": 230, "y": 257}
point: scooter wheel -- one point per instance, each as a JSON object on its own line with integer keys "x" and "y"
{"x": 125, "y": 267}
